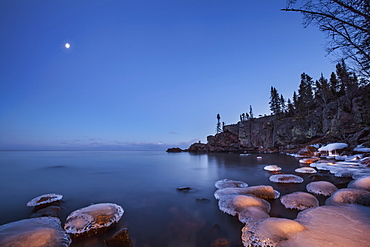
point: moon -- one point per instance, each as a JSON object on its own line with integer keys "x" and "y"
{"x": 67, "y": 45}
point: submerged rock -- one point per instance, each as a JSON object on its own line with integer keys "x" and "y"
{"x": 183, "y": 188}
{"x": 119, "y": 239}
{"x": 35, "y": 232}
{"x": 324, "y": 188}
{"x": 51, "y": 211}
{"x": 228, "y": 183}
{"x": 299, "y": 200}
{"x": 44, "y": 199}
{"x": 91, "y": 219}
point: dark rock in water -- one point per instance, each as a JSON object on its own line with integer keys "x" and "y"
{"x": 183, "y": 188}
{"x": 119, "y": 239}
{"x": 202, "y": 200}
{"x": 221, "y": 242}
{"x": 174, "y": 150}
{"x": 51, "y": 211}
{"x": 35, "y": 232}
{"x": 308, "y": 151}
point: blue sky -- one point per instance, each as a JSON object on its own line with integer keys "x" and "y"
{"x": 144, "y": 74}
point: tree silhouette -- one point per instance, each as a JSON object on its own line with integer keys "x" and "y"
{"x": 218, "y": 127}
{"x": 346, "y": 23}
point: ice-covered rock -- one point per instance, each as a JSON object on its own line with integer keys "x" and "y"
{"x": 365, "y": 161}
{"x": 270, "y": 232}
{"x": 349, "y": 196}
{"x": 286, "y": 178}
{"x": 344, "y": 168}
{"x": 272, "y": 168}
{"x": 332, "y": 226}
{"x": 44, "y": 199}
{"x": 252, "y": 214}
{"x": 237, "y": 203}
{"x": 308, "y": 160}
{"x": 92, "y": 218}
{"x": 321, "y": 188}
{"x": 34, "y": 232}
{"x": 361, "y": 183}
{"x": 228, "y": 183}
{"x": 320, "y": 227}
{"x": 305, "y": 170}
{"x": 299, "y": 200}
{"x": 261, "y": 191}
{"x": 362, "y": 149}
{"x": 333, "y": 146}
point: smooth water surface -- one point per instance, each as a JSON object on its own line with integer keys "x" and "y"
{"x": 144, "y": 183}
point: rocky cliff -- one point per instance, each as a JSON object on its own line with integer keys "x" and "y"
{"x": 344, "y": 120}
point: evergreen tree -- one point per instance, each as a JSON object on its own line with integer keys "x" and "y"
{"x": 334, "y": 85}
{"x": 218, "y": 127}
{"x": 322, "y": 91}
{"x": 251, "y": 112}
{"x": 290, "y": 108}
{"x": 347, "y": 80}
{"x": 275, "y": 105}
{"x": 282, "y": 104}
{"x": 295, "y": 100}
{"x": 305, "y": 96}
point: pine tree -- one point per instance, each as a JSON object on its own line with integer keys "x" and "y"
{"x": 334, "y": 85}
{"x": 322, "y": 91}
{"x": 290, "y": 108}
{"x": 251, "y": 112}
{"x": 282, "y": 104}
{"x": 305, "y": 96}
{"x": 347, "y": 80}
{"x": 275, "y": 105}
{"x": 218, "y": 127}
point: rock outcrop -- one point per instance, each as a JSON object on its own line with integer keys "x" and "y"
{"x": 343, "y": 120}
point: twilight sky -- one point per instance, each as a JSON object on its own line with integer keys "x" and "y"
{"x": 144, "y": 74}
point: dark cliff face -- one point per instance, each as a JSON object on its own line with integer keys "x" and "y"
{"x": 343, "y": 120}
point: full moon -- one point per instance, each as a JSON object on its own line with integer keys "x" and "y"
{"x": 67, "y": 45}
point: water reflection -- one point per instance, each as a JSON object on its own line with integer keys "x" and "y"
{"x": 144, "y": 184}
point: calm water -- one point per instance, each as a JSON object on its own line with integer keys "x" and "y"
{"x": 144, "y": 184}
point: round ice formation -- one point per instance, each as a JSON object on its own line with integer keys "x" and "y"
{"x": 349, "y": 196}
{"x": 270, "y": 232}
{"x": 308, "y": 160}
{"x": 321, "y": 188}
{"x": 262, "y": 191}
{"x": 35, "y": 232}
{"x": 252, "y": 214}
{"x": 228, "y": 183}
{"x": 286, "y": 178}
{"x": 332, "y": 226}
{"x": 299, "y": 200}
{"x": 361, "y": 183}
{"x": 305, "y": 170}
{"x": 44, "y": 199}
{"x": 93, "y": 217}
{"x": 272, "y": 168}
{"x": 237, "y": 203}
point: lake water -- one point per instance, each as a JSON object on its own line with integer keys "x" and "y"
{"x": 145, "y": 184}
